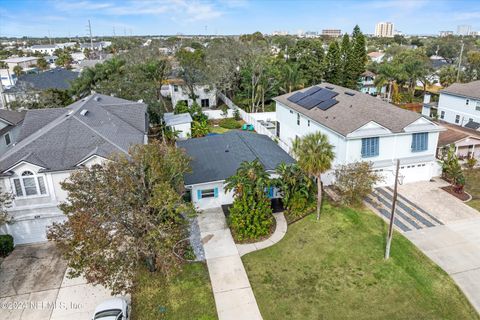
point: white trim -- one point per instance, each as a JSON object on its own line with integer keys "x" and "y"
{"x": 35, "y": 177}
{"x": 89, "y": 158}
{"x": 23, "y": 162}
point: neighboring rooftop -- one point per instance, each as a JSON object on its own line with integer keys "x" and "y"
{"x": 19, "y": 59}
{"x": 472, "y": 125}
{"x": 350, "y": 110}
{"x": 57, "y": 78}
{"x": 217, "y": 157}
{"x": 61, "y": 138}
{"x": 469, "y": 90}
{"x": 368, "y": 73}
{"x": 176, "y": 119}
{"x": 376, "y": 54}
{"x": 12, "y": 117}
{"x": 44, "y": 46}
{"x": 455, "y": 133}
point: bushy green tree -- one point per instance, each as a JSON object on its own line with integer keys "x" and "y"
{"x": 309, "y": 56}
{"x": 354, "y": 181}
{"x": 124, "y": 214}
{"x": 333, "y": 64}
{"x": 297, "y": 189}
{"x": 251, "y": 214}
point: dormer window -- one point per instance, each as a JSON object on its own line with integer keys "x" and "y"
{"x": 29, "y": 184}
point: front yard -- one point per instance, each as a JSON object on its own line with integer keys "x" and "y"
{"x": 472, "y": 186}
{"x": 334, "y": 269}
{"x": 186, "y": 296}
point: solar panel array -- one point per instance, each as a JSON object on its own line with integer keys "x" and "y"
{"x": 314, "y": 97}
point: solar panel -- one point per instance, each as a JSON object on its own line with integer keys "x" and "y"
{"x": 327, "y": 104}
{"x": 312, "y": 90}
{"x": 296, "y": 97}
{"x": 309, "y": 102}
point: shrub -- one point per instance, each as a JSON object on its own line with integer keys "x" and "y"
{"x": 471, "y": 163}
{"x": 6, "y": 245}
{"x": 229, "y": 123}
{"x": 355, "y": 181}
{"x": 236, "y": 115}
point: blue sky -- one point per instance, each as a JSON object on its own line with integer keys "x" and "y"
{"x": 69, "y": 18}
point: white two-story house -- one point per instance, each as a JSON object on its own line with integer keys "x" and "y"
{"x": 458, "y": 104}
{"x": 205, "y": 95}
{"x": 51, "y": 145}
{"x": 361, "y": 128}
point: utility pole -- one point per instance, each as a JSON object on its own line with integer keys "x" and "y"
{"x": 460, "y": 62}
{"x": 392, "y": 214}
{"x": 114, "y": 35}
{"x": 90, "y": 31}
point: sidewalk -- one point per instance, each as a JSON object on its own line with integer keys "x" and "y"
{"x": 233, "y": 294}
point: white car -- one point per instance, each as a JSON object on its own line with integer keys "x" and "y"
{"x": 112, "y": 309}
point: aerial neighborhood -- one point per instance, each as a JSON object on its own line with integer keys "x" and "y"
{"x": 177, "y": 171}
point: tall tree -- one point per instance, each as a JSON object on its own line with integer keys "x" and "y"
{"x": 124, "y": 214}
{"x": 314, "y": 156}
{"x": 333, "y": 64}
{"x": 17, "y": 70}
{"x": 309, "y": 56}
{"x": 347, "y": 63}
{"x": 359, "y": 54}
{"x": 42, "y": 64}
{"x": 192, "y": 69}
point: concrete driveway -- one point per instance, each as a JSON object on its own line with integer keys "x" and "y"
{"x": 453, "y": 243}
{"x": 33, "y": 285}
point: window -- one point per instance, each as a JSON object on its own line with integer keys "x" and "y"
{"x": 298, "y": 118}
{"x": 205, "y": 103}
{"x": 7, "y": 139}
{"x": 175, "y": 88}
{"x": 419, "y": 142}
{"x": 467, "y": 102}
{"x": 207, "y": 193}
{"x": 291, "y": 111}
{"x": 442, "y": 114}
{"x": 308, "y": 123}
{"x": 457, "y": 119}
{"x": 477, "y": 106}
{"x": 370, "y": 147}
{"x": 29, "y": 185}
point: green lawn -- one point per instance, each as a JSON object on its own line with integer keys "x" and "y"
{"x": 217, "y": 129}
{"x": 187, "y": 296}
{"x": 472, "y": 180}
{"x": 334, "y": 269}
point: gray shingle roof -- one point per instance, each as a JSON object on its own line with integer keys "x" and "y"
{"x": 12, "y": 117}
{"x": 470, "y": 90}
{"x": 53, "y": 79}
{"x": 353, "y": 112}
{"x": 210, "y": 161}
{"x": 473, "y": 125}
{"x": 174, "y": 119}
{"x": 58, "y": 139}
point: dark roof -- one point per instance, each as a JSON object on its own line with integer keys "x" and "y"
{"x": 60, "y": 138}
{"x": 353, "y": 111}
{"x": 12, "y": 117}
{"x": 472, "y": 125}
{"x": 469, "y": 90}
{"x": 211, "y": 161}
{"x": 52, "y": 79}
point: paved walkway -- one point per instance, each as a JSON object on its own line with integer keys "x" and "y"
{"x": 233, "y": 294}
{"x": 278, "y": 234}
{"x": 453, "y": 243}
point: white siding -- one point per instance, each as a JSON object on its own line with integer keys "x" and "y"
{"x": 202, "y": 92}
{"x": 453, "y": 106}
{"x": 418, "y": 165}
{"x": 206, "y": 203}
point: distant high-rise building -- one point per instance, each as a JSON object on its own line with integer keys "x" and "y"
{"x": 311, "y": 34}
{"x": 446, "y": 33}
{"x": 332, "y": 33}
{"x": 464, "y": 29}
{"x": 280, "y": 33}
{"x": 384, "y": 30}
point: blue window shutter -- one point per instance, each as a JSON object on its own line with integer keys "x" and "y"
{"x": 370, "y": 147}
{"x": 199, "y": 194}
{"x": 270, "y": 193}
{"x": 215, "y": 192}
{"x": 419, "y": 141}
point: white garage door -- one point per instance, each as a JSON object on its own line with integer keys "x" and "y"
{"x": 29, "y": 231}
{"x": 410, "y": 173}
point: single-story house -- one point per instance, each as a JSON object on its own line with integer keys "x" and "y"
{"x": 206, "y": 96}
{"x": 466, "y": 141}
{"x": 55, "y": 142}
{"x": 216, "y": 158}
{"x": 30, "y": 84}
{"x": 180, "y": 123}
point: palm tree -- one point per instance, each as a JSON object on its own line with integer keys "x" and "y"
{"x": 387, "y": 75}
{"x": 291, "y": 78}
{"x": 17, "y": 70}
{"x": 314, "y": 156}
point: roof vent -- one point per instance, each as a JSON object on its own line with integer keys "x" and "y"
{"x": 348, "y": 93}
{"x": 140, "y": 101}
{"x": 84, "y": 112}
{"x": 97, "y": 98}
{"x": 328, "y": 87}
